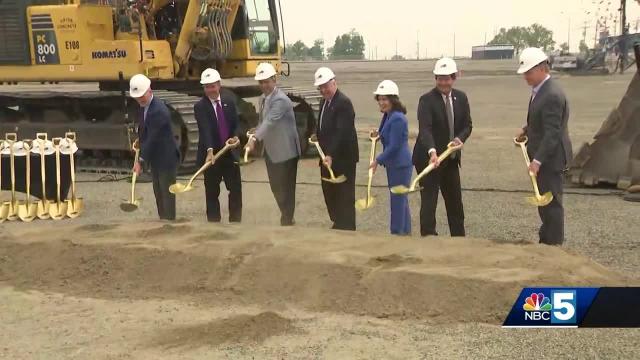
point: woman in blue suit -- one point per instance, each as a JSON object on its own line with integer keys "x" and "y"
{"x": 396, "y": 157}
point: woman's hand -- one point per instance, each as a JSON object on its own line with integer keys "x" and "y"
{"x": 374, "y": 165}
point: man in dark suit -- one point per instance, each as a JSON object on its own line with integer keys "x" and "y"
{"x": 158, "y": 146}
{"x": 337, "y": 137}
{"x": 549, "y": 145}
{"x": 217, "y": 118}
{"x": 444, "y": 116}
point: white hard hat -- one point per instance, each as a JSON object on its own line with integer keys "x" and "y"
{"x": 138, "y": 85}
{"x": 445, "y": 66}
{"x": 265, "y": 71}
{"x": 209, "y": 76}
{"x": 530, "y": 58}
{"x": 387, "y": 87}
{"x": 323, "y": 76}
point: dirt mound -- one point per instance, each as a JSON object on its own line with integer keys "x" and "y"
{"x": 437, "y": 280}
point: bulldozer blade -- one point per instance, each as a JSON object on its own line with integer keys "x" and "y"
{"x": 402, "y": 190}
{"x": 364, "y": 204}
{"x": 336, "y": 180}
{"x": 544, "y": 199}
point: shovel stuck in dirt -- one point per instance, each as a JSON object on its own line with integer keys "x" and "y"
{"x": 9, "y": 149}
{"x": 182, "y": 188}
{"x": 42, "y": 146}
{"x": 5, "y": 206}
{"x": 401, "y": 189}
{"x": 537, "y": 199}
{"x": 68, "y": 146}
{"x": 27, "y": 210}
{"x": 313, "y": 140}
{"x": 58, "y": 208}
{"x": 367, "y": 203}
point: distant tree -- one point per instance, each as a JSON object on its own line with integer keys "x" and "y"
{"x": 521, "y": 37}
{"x": 564, "y": 47}
{"x": 398, "y": 57}
{"x": 297, "y": 51}
{"x": 584, "y": 48}
{"x": 348, "y": 46}
{"x": 317, "y": 50}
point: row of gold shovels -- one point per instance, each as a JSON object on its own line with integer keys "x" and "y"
{"x": 29, "y": 210}
{"x": 361, "y": 204}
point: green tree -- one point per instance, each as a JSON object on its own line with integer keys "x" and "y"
{"x": 564, "y": 47}
{"x": 348, "y": 46}
{"x": 521, "y": 37}
{"x": 317, "y": 50}
{"x": 297, "y": 51}
{"x": 584, "y": 48}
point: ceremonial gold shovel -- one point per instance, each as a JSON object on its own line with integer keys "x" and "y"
{"x": 10, "y": 140}
{"x": 245, "y": 160}
{"x": 181, "y": 188}
{"x": 537, "y": 199}
{"x": 58, "y": 208}
{"x": 5, "y": 206}
{"x": 366, "y": 203}
{"x": 75, "y": 205}
{"x": 42, "y": 146}
{"x": 313, "y": 140}
{"x": 27, "y": 210}
{"x": 133, "y": 204}
{"x": 401, "y": 189}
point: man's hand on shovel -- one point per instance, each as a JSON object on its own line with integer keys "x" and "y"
{"x": 328, "y": 161}
{"x": 374, "y": 166}
{"x": 434, "y": 159}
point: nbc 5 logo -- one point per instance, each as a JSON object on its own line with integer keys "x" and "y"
{"x": 559, "y": 309}
{"x": 564, "y": 306}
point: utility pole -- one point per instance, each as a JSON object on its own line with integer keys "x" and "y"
{"x": 584, "y": 32}
{"x": 569, "y": 35}
{"x": 625, "y": 32}
{"x": 454, "y": 45}
{"x": 396, "y": 48}
{"x": 418, "y": 44}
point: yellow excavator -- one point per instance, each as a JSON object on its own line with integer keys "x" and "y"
{"x": 109, "y": 41}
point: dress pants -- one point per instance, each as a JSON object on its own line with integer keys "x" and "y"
{"x": 165, "y": 201}
{"x": 282, "y": 179}
{"x": 552, "y": 216}
{"x": 341, "y": 198}
{"x": 229, "y": 172}
{"x": 400, "y": 213}
{"x": 445, "y": 178}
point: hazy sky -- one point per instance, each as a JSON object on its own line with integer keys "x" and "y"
{"x": 381, "y": 22}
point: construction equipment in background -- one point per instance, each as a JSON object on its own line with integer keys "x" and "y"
{"x": 614, "y": 156}
{"x": 109, "y": 41}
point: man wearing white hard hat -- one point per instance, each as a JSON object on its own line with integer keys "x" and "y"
{"x": 158, "y": 147}
{"x": 279, "y": 135}
{"x": 217, "y": 117}
{"x": 548, "y": 144}
{"x": 444, "y": 116}
{"x": 336, "y": 133}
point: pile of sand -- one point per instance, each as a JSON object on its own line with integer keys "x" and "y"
{"x": 436, "y": 280}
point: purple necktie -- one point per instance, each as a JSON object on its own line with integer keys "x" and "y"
{"x": 223, "y": 129}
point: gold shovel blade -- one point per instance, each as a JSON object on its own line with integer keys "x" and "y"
{"x": 28, "y": 212}
{"x": 402, "y": 190}
{"x": 180, "y": 188}
{"x": 337, "y": 180}
{"x": 74, "y": 207}
{"x": 58, "y": 210}
{"x": 543, "y": 200}
{"x": 13, "y": 212}
{"x": 4, "y": 211}
{"x": 245, "y": 163}
{"x": 130, "y": 206}
{"x": 43, "y": 210}
{"x": 363, "y": 204}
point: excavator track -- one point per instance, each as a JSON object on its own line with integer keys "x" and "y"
{"x": 308, "y": 102}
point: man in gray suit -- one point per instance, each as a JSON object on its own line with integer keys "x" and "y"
{"x": 279, "y": 134}
{"x": 549, "y": 145}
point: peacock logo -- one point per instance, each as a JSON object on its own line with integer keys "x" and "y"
{"x": 537, "y": 302}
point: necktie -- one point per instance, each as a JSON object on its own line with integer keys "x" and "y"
{"x": 449, "y": 109}
{"x": 223, "y": 129}
{"x": 324, "y": 108}
{"x": 261, "y": 116}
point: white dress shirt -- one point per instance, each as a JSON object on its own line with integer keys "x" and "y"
{"x": 450, "y": 99}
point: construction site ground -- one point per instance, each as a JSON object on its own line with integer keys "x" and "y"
{"x": 114, "y": 285}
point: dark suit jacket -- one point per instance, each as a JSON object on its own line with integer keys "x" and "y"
{"x": 158, "y": 146}
{"x": 208, "y": 127}
{"x": 547, "y": 127}
{"x": 434, "y": 126}
{"x": 337, "y": 136}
